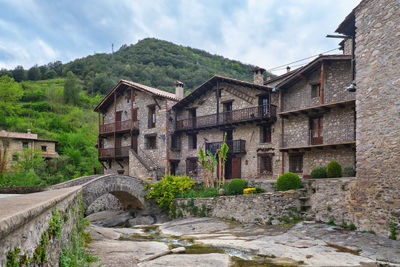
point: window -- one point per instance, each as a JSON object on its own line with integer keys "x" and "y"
{"x": 173, "y": 166}
{"x": 315, "y": 90}
{"x": 175, "y": 142}
{"x": 265, "y": 134}
{"x": 191, "y": 166}
{"x": 44, "y": 148}
{"x": 24, "y": 144}
{"x": 151, "y": 141}
{"x": 152, "y": 116}
{"x": 263, "y": 102}
{"x": 265, "y": 163}
{"x": 192, "y": 141}
{"x": 296, "y": 163}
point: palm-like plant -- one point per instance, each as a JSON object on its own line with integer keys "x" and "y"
{"x": 223, "y": 155}
{"x": 212, "y": 160}
{"x": 204, "y": 165}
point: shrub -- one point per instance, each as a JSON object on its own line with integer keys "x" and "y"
{"x": 164, "y": 191}
{"x": 236, "y": 186}
{"x": 334, "y": 170}
{"x": 319, "y": 172}
{"x": 288, "y": 181}
{"x": 349, "y": 171}
{"x": 259, "y": 190}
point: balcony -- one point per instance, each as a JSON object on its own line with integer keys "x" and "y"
{"x": 257, "y": 113}
{"x": 112, "y": 153}
{"x": 235, "y": 146}
{"x": 119, "y": 127}
{"x": 340, "y": 135}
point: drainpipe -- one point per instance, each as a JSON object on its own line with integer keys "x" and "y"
{"x": 167, "y": 136}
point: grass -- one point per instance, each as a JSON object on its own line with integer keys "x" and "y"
{"x": 199, "y": 191}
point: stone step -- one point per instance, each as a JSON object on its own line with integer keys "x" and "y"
{"x": 304, "y": 198}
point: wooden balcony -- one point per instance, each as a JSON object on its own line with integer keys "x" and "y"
{"x": 114, "y": 153}
{"x": 341, "y": 135}
{"x": 118, "y": 127}
{"x": 257, "y": 113}
{"x": 235, "y": 146}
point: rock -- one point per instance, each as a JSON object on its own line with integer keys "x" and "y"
{"x": 117, "y": 220}
{"x": 142, "y": 220}
{"x": 173, "y": 260}
{"x": 99, "y": 233}
{"x": 125, "y": 253}
{"x": 102, "y": 215}
{"x": 284, "y": 262}
{"x": 221, "y": 192}
{"x": 178, "y": 250}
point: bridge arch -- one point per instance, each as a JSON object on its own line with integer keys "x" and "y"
{"x": 130, "y": 191}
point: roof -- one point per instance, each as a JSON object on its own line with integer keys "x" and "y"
{"x": 123, "y": 84}
{"x": 348, "y": 26}
{"x": 296, "y": 75}
{"x": 26, "y": 136}
{"x": 210, "y": 83}
{"x": 280, "y": 77}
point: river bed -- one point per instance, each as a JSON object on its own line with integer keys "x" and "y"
{"x": 214, "y": 242}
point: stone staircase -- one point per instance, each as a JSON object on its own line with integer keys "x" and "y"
{"x": 144, "y": 167}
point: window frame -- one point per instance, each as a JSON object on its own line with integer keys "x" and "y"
{"x": 294, "y": 160}
{"x": 192, "y": 141}
{"x": 261, "y": 168}
{"x": 149, "y": 145}
{"x": 315, "y": 90}
{"x": 263, "y": 138}
{"x": 191, "y": 166}
{"x": 152, "y": 118}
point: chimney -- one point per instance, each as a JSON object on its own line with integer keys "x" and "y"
{"x": 258, "y": 75}
{"x": 287, "y": 69}
{"x": 29, "y": 131}
{"x": 268, "y": 77}
{"x": 179, "y": 92}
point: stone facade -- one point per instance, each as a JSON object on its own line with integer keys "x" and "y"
{"x": 136, "y": 164}
{"x": 375, "y": 195}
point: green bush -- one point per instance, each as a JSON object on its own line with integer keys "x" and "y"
{"x": 319, "y": 172}
{"x": 164, "y": 191}
{"x": 288, "y": 181}
{"x": 236, "y": 186}
{"x": 349, "y": 171}
{"x": 334, "y": 170}
{"x": 260, "y": 190}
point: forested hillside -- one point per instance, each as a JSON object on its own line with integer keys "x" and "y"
{"x": 151, "y": 62}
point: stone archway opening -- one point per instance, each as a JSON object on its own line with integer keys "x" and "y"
{"x": 127, "y": 200}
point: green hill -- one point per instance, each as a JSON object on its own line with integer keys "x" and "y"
{"x": 151, "y": 62}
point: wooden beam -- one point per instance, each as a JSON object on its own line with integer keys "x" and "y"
{"x": 155, "y": 100}
{"x": 322, "y": 87}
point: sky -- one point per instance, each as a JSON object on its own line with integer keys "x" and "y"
{"x": 266, "y": 33}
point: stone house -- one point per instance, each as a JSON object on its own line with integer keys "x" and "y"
{"x": 134, "y": 129}
{"x": 16, "y": 142}
{"x": 243, "y": 112}
{"x": 317, "y": 117}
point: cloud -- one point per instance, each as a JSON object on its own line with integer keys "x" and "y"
{"x": 264, "y": 33}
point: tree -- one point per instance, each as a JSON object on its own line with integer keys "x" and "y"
{"x": 34, "y": 73}
{"x": 71, "y": 89}
{"x": 204, "y": 165}
{"x": 19, "y": 74}
{"x": 223, "y": 152}
{"x": 10, "y": 93}
{"x": 212, "y": 160}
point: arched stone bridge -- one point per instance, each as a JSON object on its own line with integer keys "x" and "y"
{"x": 130, "y": 191}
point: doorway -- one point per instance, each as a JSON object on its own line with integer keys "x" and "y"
{"x": 316, "y": 131}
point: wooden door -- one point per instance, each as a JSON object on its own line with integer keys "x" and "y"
{"x": 117, "y": 146}
{"x": 134, "y": 143}
{"x": 134, "y": 114}
{"x": 228, "y": 112}
{"x": 236, "y": 168}
{"x": 118, "y": 117}
{"x": 316, "y": 131}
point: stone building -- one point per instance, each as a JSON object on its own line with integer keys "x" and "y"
{"x": 134, "y": 129}
{"x": 243, "y": 112}
{"x": 16, "y": 142}
{"x": 374, "y": 199}
{"x": 317, "y": 118}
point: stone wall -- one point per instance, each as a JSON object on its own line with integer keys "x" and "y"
{"x": 265, "y": 208}
{"x": 375, "y": 196}
{"x": 328, "y": 200}
{"x": 24, "y": 230}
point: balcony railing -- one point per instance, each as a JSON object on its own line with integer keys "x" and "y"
{"x": 118, "y": 152}
{"x": 333, "y": 135}
{"x": 228, "y": 117}
{"x": 235, "y": 146}
{"x": 119, "y": 126}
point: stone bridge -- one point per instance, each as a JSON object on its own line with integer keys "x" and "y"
{"x": 24, "y": 218}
